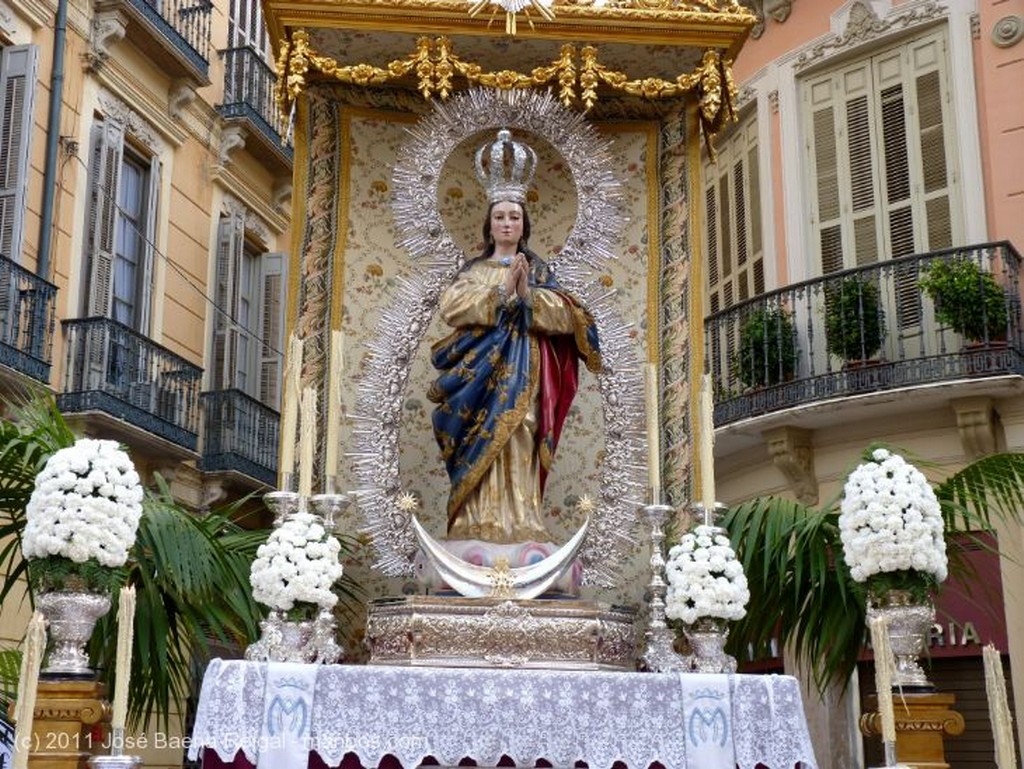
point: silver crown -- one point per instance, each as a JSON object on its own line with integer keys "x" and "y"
{"x": 505, "y": 168}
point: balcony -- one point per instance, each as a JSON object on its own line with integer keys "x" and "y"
{"x": 862, "y": 331}
{"x": 116, "y": 371}
{"x": 240, "y": 434}
{"x": 249, "y": 97}
{"x": 174, "y": 34}
{"x": 26, "y": 320}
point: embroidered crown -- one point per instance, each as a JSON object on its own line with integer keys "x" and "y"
{"x": 505, "y": 168}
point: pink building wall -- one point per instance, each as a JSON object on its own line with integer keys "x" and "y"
{"x": 999, "y": 74}
{"x": 998, "y": 82}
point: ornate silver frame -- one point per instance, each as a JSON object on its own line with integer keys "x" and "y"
{"x": 589, "y": 246}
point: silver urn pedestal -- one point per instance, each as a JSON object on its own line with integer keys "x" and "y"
{"x": 71, "y": 617}
{"x": 909, "y": 622}
{"x": 707, "y": 637}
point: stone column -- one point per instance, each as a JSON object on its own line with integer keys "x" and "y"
{"x": 922, "y": 723}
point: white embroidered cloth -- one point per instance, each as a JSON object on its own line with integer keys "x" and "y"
{"x": 451, "y": 713}
{"x": 287, "y": 716}
{"x": 707, "y": 714}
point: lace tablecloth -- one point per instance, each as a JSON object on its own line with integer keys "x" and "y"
{"x": 484, "y": 714}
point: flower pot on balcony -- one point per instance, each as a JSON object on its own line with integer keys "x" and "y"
{"x": 967, "y": 299}
{"x": 853, "y": 320}
{"x": 767, "y": 347}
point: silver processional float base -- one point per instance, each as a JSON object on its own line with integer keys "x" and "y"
{"x": 452, "y": 631}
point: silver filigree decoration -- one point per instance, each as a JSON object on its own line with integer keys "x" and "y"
{"x": 590, "y": 245}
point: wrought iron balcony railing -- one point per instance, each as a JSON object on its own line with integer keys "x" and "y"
{"x": 26, "y": 320}
{"x": 113, "y": 369}
{"x": 185, "y": 24}
{"x": 868, "y": 329}
{"x": 240, "y": 434}
{"x": 249, "y": 94}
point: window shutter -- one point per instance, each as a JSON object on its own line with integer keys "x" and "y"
{"x": 107, "y": 153}
{"x": 18, "y": 66}
{"x": 931, "y": 103}
{"x": 754, "y": 196}
{"x": 247, "y": 27}
{"x": 273, "y": 300}
{"x": 711, "y": 212}
{"x": 891, "y": 193}
{"x": 740, "y": 196}
{"x": 149, "y": 247}
{"x": 725, "y": 205}
{"x": 733, "y": 212}
{"x": 230, "y": 251}
{"x": 824, "y": 165}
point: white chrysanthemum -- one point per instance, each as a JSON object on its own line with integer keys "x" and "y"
{"x": 704, "y": 578}
{"x": 890, "y": 520}
{"x": 86, "y": 505}
{"x": 297, "y": 564}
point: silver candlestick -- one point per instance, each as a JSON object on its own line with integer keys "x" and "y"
{"x": 659, "y": 656}
{"x": 328, "y": 507}
{"x": 282, "y": 504}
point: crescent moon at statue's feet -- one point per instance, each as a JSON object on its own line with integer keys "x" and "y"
{"x": 501, "y": 580}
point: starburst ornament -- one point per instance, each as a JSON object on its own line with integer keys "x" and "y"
{"x": 585, "y": 505}
{"x": 408, "y": 503}
{"x": 512, "y": 8}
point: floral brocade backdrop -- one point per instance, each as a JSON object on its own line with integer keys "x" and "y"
{"x": 372, "y": 264}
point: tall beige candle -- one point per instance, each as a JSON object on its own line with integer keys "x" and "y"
{"x": 307, "y": 440}
{"x": 653, "y": 433}
{"x": 28, "y": 682}
{"x": 125, "y": 634}
{"x": 334, "y": 409}
{"x": 999, "y": 709}
{"x": 290, "y": 404}
{"x": 706, "y": 438}
{"x": 884, "y": 664}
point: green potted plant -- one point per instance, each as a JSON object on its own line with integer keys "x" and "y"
{"x": 967, "y": 299}
{"x": 767, "y": 347}
{"x": 853, "y": 319}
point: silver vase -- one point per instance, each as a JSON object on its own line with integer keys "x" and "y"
{"x": 71, "y": 618}
{"x": 296, "y": 642}
{"x": 909, "y": 624}
{"x": 707, "y": 637}
{"x": 283, "y": 640}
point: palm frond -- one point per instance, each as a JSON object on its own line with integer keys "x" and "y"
{"x": 191, "y": 575}
{"x": 988, "y": 490}
{"x": 801, "y": 595}
{"x": 10, "y": 672}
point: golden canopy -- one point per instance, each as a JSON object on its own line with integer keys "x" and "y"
{"x": 650, "y": 49}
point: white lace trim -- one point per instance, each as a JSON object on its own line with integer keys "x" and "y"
{"x": 452, "y": 713}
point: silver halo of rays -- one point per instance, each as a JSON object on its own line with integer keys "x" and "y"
{"x": 589, "y": 247}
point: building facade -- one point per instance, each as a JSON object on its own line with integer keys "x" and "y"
{"x": 144, "y": 233}
{"x": 874, "y": 140}
{"x": 145, "y": 217}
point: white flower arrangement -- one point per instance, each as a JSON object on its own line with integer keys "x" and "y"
{"x": 85, "y": 506}
{"x": 890, "y": 521}
{"x": 704, "y": 578}
{"x": 298, "y": 564}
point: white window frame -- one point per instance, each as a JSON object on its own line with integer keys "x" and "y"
{"x": 109, "y": 142}
{"x": 895, "y": 22}
{"x": 265, "y": 333}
